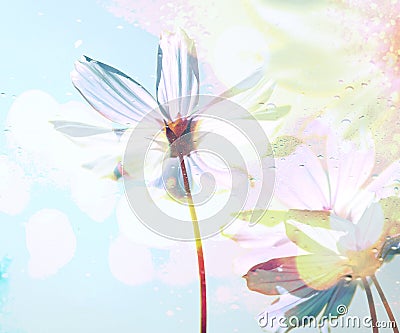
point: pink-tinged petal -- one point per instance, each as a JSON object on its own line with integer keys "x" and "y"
{"x": 256, "y": 236}
{"x": 275, "y": 277}
{"x": 130, "y": 263}
{"x": 177, "y": 74}
{"x": 112, "y": 93}
{"x": 296, "y": 275}
{"x": 387, "y": 183}
{"x": 251, "y": 258}
{"x": 349, "y": 168}
{"x": 220, "y": 256}
{"x": 205, "y": 163}
{"x": 301, "y": 181}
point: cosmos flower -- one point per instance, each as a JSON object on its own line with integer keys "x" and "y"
{"x": 334, "y": 257}
{"x": 341, "y": 226}
{"x": 173, "y": 111}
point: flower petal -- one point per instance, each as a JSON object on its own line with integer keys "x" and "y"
{"x": 177, "y": 74}
{"x": 387, "y": 183}
{"x": 342, "y": 295}
{"x": 112, "y": 93}
{"x": 301, "y": 181}
{"x": 348, "y": 168}
{"x": 77, "y": 129}
{"x": 255, "y": 79}
{"x": 292, "y": 311}
{"x": 310, "y": 239}
{"x": 370, "y": 227}
{"x": 296, "y": 274}
{"x": 276, "y": 277}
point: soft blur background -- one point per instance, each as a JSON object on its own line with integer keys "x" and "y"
{"x": 78, "y": 259}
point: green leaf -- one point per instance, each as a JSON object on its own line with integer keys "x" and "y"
{"x": 273, "y": 113}
{"x": 269, "y": 219}
{"x": 313, "y": 218}
{"x": 305, "y": 242}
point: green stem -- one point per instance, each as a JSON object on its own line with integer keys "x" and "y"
{"x": 385, "y": 304}
{"x": 199, "y": 248}
{"x": 371, "y": 305}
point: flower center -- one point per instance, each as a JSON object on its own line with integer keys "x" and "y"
{"x": 363, "y": 263}
{"x": 180, "y": 136}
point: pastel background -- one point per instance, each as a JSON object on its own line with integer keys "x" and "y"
{"x": 75, "y": 257}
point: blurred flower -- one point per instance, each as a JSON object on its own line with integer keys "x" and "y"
{"x": 325, "y": 172}
{"x": 335, "y": 256}
{"x": 40, "y": 154}
{"x": 340, "y": 228}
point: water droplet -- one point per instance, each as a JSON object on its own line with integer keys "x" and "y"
{"x": 346, "y": 121}
{"x": 375, "y": 250}
{"x": 349, "y": 88}
{"x": 364, "y": 84}
{"x": 336, "y": 97}
{"x": 78, "y": 43}
{"x": 270, "y": 106}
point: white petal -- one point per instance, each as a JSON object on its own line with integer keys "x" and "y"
{"x": 177, "y": 73}
{"x": 111, "y": 92}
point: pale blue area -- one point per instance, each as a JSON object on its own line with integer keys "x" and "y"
{"x": 37, "y": 52}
